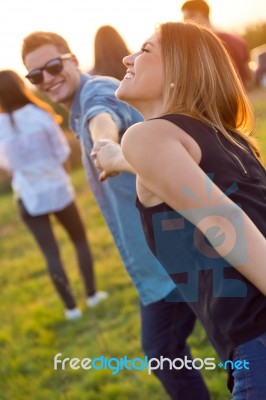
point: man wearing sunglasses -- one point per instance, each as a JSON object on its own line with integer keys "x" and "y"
{"x": 54, "y": 67}
{"x": 96, "y": 114}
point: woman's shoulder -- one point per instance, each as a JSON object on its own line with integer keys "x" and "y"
{"x": 36, "y": 115}
{"x": 20, "y": 112}
{"x": 159, "y": 127}
{"x": 3, "y": 117}
{"x": 35, "y": 110}
{"x": 149, "y": 135}
{"x": 150, "y": 125}
{"x": 29, "y": 112}
{"x": 157, "y": 135}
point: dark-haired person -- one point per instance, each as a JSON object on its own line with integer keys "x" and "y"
{"x": 199, "y": 11}
{"x": 96, "y": 114}
{"x": 201, "y": 189}
{"x": 109, "y": 49}
{"x": 34, "y": 149}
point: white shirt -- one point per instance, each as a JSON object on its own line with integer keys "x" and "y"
{"x": 34, "y": 151}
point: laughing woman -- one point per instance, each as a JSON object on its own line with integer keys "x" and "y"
{"x": 199, "y": 172}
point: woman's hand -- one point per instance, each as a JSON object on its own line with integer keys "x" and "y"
{"x": 106, "y": 153}
{"x": 109, "y": 159}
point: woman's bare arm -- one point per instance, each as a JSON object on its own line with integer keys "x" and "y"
{"x": 166, "y": 168}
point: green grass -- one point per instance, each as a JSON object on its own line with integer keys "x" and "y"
{"x": 33, "y": 328}
{"x": 260, "y": 122}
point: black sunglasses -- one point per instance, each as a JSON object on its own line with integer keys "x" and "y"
{"x": 53, "y": 67}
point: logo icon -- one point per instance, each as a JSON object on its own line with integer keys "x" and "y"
{"x": 185, "y": 249}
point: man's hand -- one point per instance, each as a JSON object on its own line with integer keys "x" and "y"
{"x": 107, "y": 154}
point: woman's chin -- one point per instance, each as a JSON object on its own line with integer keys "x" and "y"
{"x": 120, "y": 94}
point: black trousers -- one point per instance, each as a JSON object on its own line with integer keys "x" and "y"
{"x": 40, "y": 227}
{"x": 165, "y": 329}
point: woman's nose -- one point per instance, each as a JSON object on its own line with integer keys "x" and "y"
{"x": 128, "y": 60}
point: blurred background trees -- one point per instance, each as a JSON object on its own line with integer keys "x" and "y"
{"x": 255, "y": 35}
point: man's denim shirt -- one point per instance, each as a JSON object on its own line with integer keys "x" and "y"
{"x": 116, "y": 196}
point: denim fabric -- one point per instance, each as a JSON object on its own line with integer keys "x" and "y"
{"x": 250, "y": 384}
{"x": 165, "y": 328}
{"x": 116, "y": 196}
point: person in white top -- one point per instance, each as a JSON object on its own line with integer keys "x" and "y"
{"x": 33, "y": 148}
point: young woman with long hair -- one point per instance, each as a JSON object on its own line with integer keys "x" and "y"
{"x": 33, "y": 148}
{"x": 201, "y": 189}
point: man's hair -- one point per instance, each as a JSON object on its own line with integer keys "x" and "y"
{"x": 37, "y": 39}
{"x": 197, "y": 5}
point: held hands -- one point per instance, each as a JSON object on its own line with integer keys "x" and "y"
{"x": 107, "y": 154}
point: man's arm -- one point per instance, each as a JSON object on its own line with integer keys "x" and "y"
{"x": 102, "y": 126}
{"x": 105, "y": 118}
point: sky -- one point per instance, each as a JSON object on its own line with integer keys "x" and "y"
{"x": 78, "y": 20}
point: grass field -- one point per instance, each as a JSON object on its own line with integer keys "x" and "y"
{"x": 33, "y": 328}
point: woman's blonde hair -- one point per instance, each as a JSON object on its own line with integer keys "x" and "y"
{"x": 14, "y": 94}
{"x": 200, "y": 81}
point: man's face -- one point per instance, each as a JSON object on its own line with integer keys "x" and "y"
{"x": 193, "y": 16}
{"x": 59, "y": 88}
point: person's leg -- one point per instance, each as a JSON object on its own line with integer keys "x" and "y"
{"x": 165, "y": 328}
{"x": 249, "y": 366}
{"x": 70, "y": 218}
{"x": 40, "y": 228}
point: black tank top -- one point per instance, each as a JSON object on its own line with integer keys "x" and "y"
{"x": 231, "y": 309}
